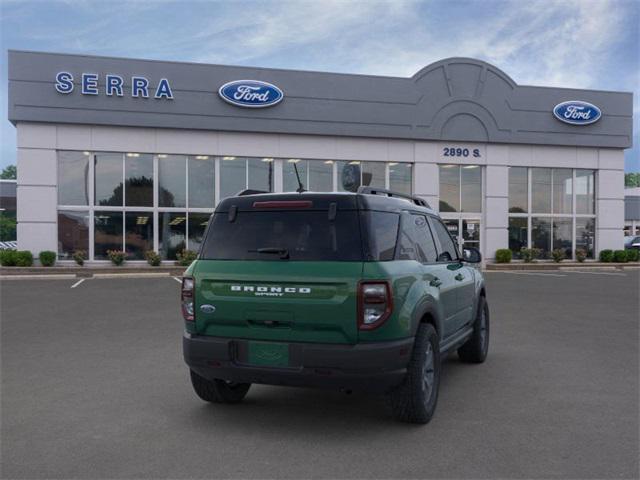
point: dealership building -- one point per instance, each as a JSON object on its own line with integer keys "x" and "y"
{"x": 134, "y": 155}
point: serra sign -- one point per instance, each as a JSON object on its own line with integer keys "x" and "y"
{"x": 577, "y": 112}
{"x": 250, "y": 93}
{"x": 113, "y": 85}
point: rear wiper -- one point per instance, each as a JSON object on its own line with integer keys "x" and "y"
{"x": 283, "y": 252}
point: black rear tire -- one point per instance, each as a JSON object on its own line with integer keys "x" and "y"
{"x": 218, "y": 391}
{"x": 475, "y": 350}
{"x": 415, "y": 400}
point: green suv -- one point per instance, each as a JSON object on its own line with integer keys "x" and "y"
{"x": 352, "y": 291}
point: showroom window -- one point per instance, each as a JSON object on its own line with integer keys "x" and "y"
{"x": 138, "y": 236}
{"x": 551, "y": 208}
{"x": 73, "y": 232}
{"x": 136, "y": 202}
{"x": 460, "y": 188}
{"x": 315, "y": 175}
{"x": 138, "y": 178}
{"x": 73, "y": 178}
{"x": 201, "y": 181}
{"x": 400, "y": 177}
{"x": 394, "y": 176}
{"x": 172, "y": 181}
{"x": 107, "y": 232}
{"x": 346, "y": 176}
{"x": 240, "y": 173}
{"x": 139, "y": 201}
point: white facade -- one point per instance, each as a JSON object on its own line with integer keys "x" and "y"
{"x": 37, "y": 169}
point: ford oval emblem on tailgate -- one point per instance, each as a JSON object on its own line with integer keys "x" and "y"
{"x": 206, "y": 308}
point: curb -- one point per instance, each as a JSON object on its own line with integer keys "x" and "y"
{"x": 54, "y": 276}
{"x": 85, "y": 272}
{"x": 134, "y": 275}
{"x": 497, "y": 267}
{"x": 89, "y": 272}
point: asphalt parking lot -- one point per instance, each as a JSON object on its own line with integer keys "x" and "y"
{"x": 94, "y": 386}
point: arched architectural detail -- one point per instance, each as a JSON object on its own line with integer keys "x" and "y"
{"x": 464, "y": 124}
{"x": 447, "y": 63}
{"x": 465, "y": 120}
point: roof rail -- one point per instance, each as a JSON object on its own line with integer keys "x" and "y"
{"x": 249, "y": 191}
{"x": 389, "y": 193}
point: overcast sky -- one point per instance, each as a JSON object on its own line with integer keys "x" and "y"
{"x": 565, "y": 43}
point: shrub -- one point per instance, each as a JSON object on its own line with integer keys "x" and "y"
{"x": 47, "y": 258}
{"x": 185, "y": 257}
{"x": 558, "y": 255}
{"x": 153, "y": 258}
{"x": 8, "y": 258}
{"x": 633, "y": 255}
{"x": 581, "y": 254}
{"x": 526, "y": 254}
{"x": 80, "y": 256}
{"x": 117, "y": 257}
{"x": 24, "y": 258}
{"x": 530, "y": 254}
{"x": 606, "y": 255}
{"x": 620, "y": 256}
{"x": 503, "y": 255}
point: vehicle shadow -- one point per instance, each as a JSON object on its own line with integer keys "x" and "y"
{"x": 291, "y": 411}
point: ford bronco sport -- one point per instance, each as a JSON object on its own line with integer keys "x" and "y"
{"x": 353, "y": 291}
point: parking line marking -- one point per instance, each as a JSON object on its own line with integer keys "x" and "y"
{"x": 78, "y": 283}
{"x": 599, "y": 273}
{"x": 177, "y": 279}
{"x": 534, "y": 273}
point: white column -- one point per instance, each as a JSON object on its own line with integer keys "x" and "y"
{"x": 426, "y": 177}
{"x": 610, "y": 200}
{"x": 496, "y": 209}
{"x": 37, "y": 188}
{"x": 278, "y": 181}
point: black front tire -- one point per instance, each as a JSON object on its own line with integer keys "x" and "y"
{"x": 475, "y": 350}
{"x": 218, "y": 391}
{"x": 415, "y": 400}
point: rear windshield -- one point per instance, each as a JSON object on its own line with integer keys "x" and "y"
{"x": 284, "y": 235}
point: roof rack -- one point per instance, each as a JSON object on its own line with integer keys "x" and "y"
{"x": 389, "y": 193}
{"x": 249, "y": 191}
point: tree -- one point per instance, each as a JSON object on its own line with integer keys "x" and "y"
{"x": 632, "y": 180}
{"x": 7, "y": 228}
{"x": 9, "y": 172}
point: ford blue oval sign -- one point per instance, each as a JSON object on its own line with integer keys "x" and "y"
{"x": 251, "y": 93}
{"x": 577, "y": 112}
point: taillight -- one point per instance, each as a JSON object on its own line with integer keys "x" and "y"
{"x": 375, "y": 304}
{"x": 186, "y": 298}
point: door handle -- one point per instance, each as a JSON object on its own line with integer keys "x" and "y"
{"x": 459, "y": 277}
{"x": 435, "y": 282}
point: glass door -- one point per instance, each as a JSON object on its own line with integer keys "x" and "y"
{"x": 470, "y": 233}
{"x": 465, "y": 231}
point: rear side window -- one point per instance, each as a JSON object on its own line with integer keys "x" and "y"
{"x": 284, "y": 235}
{"x": 381, "y": 234}
{"x": 415, "y": 242}
{"x": 448, "y": 248}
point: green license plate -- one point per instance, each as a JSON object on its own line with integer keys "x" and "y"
{"x": 269, "y": 354}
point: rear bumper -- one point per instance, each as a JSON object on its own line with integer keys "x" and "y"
{"x": 371, "y": 367}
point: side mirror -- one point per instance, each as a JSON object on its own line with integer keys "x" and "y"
{"x": 444, "y": 257}
{"x": 471, "y": 255}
